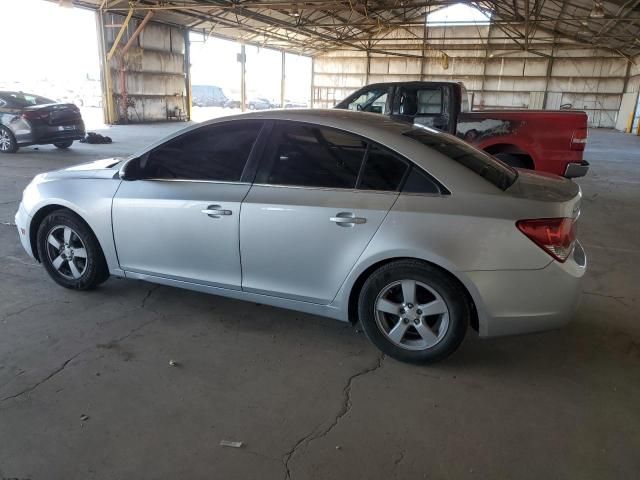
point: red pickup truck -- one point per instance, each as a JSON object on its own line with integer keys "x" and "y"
{"x": 547, "y": 140}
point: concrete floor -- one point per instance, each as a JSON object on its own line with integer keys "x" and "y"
{"x": 309, "y": 397}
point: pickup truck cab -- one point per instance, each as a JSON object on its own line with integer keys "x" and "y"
{"x": 547, "y": 140}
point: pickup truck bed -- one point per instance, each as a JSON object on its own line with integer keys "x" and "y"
{"x": 547, "y": 140}
{"x": 553, "y": 140}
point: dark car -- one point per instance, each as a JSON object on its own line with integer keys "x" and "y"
{"x": 259, "y": 104}
{"x": 232, "y": 104}
{"x": 27, "y": 119}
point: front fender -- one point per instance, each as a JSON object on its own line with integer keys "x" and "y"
{"x": 89, "y": 198}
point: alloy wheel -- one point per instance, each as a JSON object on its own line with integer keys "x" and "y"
{"x": 5, "y": 141}
{"x": 67, "y": 252}
{"x": 412, "y": 315}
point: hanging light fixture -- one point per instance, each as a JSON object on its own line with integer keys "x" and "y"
{"x": 597, "y": 11}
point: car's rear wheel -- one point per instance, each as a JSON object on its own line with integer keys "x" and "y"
{"x": 63, "y": 144}
{"x": 413, "y": 311}
{"x": 70, "y": 251}
{"x": 8, "y": 143}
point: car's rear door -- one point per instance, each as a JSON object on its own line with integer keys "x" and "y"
{"x": 304, "y": 223}
{"x": 181, "y": 219}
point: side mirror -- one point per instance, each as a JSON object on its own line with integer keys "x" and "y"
{"x": 131, "y": 170}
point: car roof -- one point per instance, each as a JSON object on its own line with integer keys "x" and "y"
{"x": 362, "y": 123}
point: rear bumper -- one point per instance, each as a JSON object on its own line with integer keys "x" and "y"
{"x": 523, "y": 301}
{"x": 574, "y": 170}
{"x": 45, "y": 134}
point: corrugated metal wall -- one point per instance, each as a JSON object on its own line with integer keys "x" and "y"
{"x": 154, "y": 71}
{"x": 587, "y": 79}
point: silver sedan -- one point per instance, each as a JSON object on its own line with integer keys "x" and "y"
{"x": 409, "y": 231}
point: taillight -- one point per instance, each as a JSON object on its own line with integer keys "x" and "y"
{"x": 555, "y": 236}
{"x": 35, "y": 115}
{"x": 579, "y": 139}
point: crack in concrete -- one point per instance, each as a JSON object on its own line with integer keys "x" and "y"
{"x": 28, "y": 307}
{"x": 618, "y": 299}
{"x": 31, "y": 388}
{"x": 115, "y": 341}
{"x": 345, "y": 408}
{"x": 397, "y": 462}
{"x": 149, "y": 292}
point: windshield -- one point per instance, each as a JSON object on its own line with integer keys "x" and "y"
{"x": 20, "y": 99}
{"x": 488, "y": 167}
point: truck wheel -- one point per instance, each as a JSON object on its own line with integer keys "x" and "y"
{"x": 511, "y": 160}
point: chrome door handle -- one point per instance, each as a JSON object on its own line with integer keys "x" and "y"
{"x": 215, "y": 211}
{"x": 347, "y": 219}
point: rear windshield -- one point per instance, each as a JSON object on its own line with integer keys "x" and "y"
{"x": 488, "y": 167}
{"x": 20, "y": 99}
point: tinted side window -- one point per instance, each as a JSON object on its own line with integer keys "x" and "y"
{"x": 216, "y": 152}
{"x": 311, "y": 156}
{"x": 419, "y": 182}
{"x": 383, "y": 170}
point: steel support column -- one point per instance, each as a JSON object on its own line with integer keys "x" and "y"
{"x": 243, "y": 79}
{"x": 282, "y": 80}
{"x": 187, "y": 73}
{"x": 108, "y": 107}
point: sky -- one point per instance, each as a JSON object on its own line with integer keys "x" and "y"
{"x": 48, "y": 42}
{"x": 458, "y": 12}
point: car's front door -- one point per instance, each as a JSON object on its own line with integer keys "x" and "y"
{"x": 312, "y": 210}
{"x": 180, "y": 219}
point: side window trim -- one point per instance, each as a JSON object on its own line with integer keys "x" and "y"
{"x": 253, "y": 162}
{"x": 404, "y": 160}
{"x": 363, "y": 165}
{"x": 443, "y": 191}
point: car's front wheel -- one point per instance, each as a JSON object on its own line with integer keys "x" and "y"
{"x": 8, "y": 143}
{"x": 70, "y": 251}
{"x": 63, "y": 144}
{"x": 413, "y": 311}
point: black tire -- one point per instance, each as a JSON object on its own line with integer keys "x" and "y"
{"x": 90, "y": 271}
{"x": 448, "y": 328}
{"x": 514, "y": 161}
{"x": 8, "y": 143}
{"x": 63, "y": 144}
